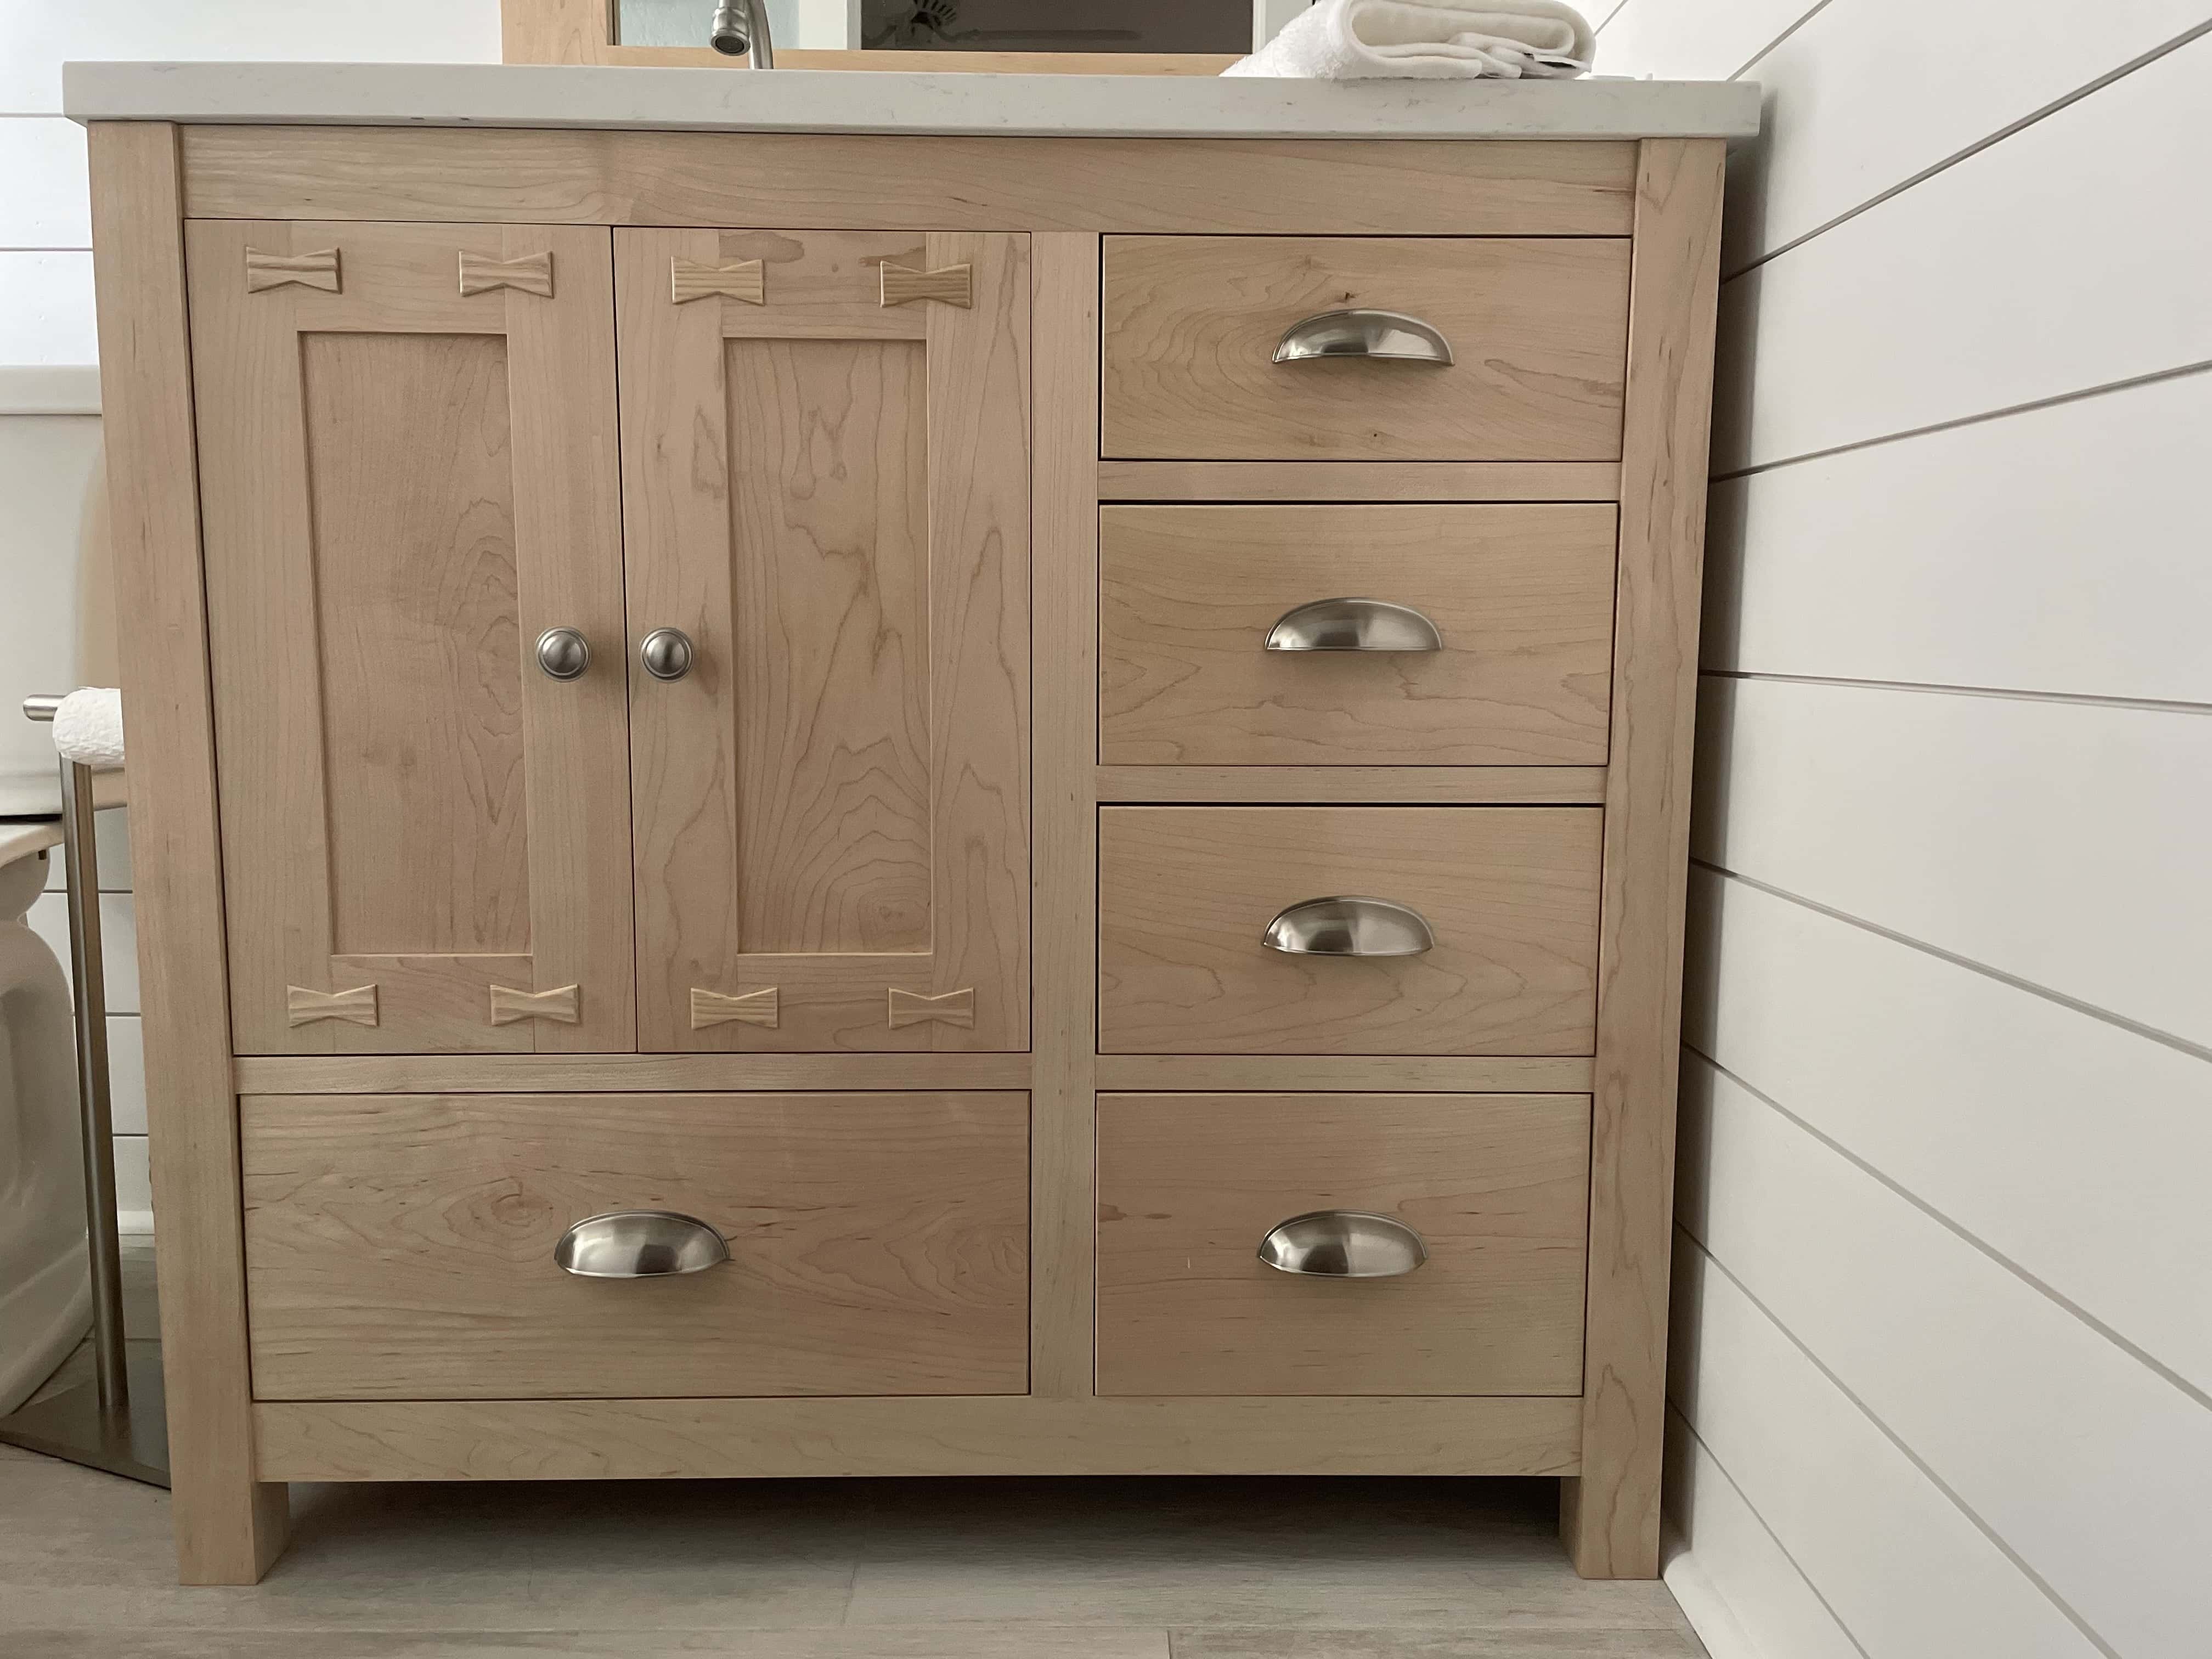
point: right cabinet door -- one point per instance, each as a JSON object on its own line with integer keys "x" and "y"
{"x": 826, "y": 471}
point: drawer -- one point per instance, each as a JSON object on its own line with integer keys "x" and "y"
{"x": 401, "y": 1247}
{"x": 1520, "y": 599}
{"x": 1494, "y": 1187}
{"x": 1508, "y": 894}
{"x": 1537, "y": 328}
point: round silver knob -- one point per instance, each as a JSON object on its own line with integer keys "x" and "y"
{"x": 666, "y": 654}
{"x": 563, "y": 653}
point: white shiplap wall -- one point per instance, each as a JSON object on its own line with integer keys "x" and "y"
{"x": 47, "y": 324}
{"x": 1942, "y": 1378}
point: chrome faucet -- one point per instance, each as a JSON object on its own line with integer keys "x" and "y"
{"x": 741, "y": 26}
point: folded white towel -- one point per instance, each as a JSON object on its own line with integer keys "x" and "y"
{"x": 1459, "y": 39}
{"x": 88, "y": 728}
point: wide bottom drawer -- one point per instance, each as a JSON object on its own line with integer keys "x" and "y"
{"x": 1494, "y": 1187}
{"x": 402, "y": 1247}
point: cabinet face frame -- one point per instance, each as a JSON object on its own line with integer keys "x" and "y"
{"x": 826, "y": 444}
{"x": 416, "y": 822}
{"x": 150, "y": 178}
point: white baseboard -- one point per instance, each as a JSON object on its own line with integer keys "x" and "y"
{"x": 1701, "y": 1602}
{"x": 39, "y": 389}
{"x": 135, "y": 1224}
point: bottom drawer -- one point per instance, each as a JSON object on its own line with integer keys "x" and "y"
{"x": 402, "y": 1247}
{"x": 1496, "y": 1186}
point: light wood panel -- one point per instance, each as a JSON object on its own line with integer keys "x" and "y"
{"x": 1358, "y": 480}
{"x": 401, "y": 1246}
{"x": 1522, "y": 596}
{"x": 831, "y": 181}
{"x": 1063, "y": 916}
{"x": 834, "y": 803}
{"x": 631, "y": 1439}
{"x": 1497, "y": 1185}
{"x": 229, "y": 1525}
{"x": 1191, "y": 325}
{"x": 1214, "y": 1073}
{"x": 1610, "y": 1515}
{"x": 403, "y": 487}
{"x": 367, "y": 1074}
{"x": 1185, "y": 894}
{"x": 1410, "y": 785}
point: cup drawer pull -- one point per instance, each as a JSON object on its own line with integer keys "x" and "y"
{"x": 1343, "y": 1244}
{"x": 1344, "y": 926}
{"x": 1385, "y": 334}
{"x": 639, "y": 1244}
{"x": 1354, "y": 625}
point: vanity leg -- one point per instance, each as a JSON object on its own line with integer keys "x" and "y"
{"x": 1609, "y": 1515}
{"x": 229, "y": 1526}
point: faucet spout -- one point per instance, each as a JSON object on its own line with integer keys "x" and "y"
{"x": 741, "y": 26}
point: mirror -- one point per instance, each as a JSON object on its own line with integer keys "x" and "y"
{"x": 1087, "y": 26}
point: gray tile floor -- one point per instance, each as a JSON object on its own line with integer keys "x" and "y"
{"x": 1101, "y": 1569}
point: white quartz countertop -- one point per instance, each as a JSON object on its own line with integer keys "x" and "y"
{"x": 834, "y": 100}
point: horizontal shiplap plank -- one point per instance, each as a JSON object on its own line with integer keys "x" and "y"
{"x": 46, "y": 468}
{"x": 2062, "y": 843}
{"x": 1693, "y": 40}
{"x": 2090, "y": 1466}
{"x": 1776, "y": 1612}
{"x": 45, "y": 203}
{"x": 2060, "y": 548}
{"x": 1850, "y": 112}
{"x": 36, "y": 38}
{"x": 2065, "y": 258}
{"x": 1905, "y": 1569}
{"x": 133, "y": 1186}
{"x": 119, "y": 939}
{"x": 111, "y": 842}
{"x": 1968, "y": 1093}
{"x": 46, "y": 308}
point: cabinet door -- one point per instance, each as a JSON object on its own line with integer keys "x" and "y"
{"x": 826, "y": 455}
{"x": 408, "y": 474}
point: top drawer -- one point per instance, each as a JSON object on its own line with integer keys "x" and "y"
{"x": 1537, "y": 328}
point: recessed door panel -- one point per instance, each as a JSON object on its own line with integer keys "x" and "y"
{"x": 407, "y": 472}
{"x": 825, "y": 455}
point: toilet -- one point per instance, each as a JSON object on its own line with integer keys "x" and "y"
{"x": 55, "y": 556}
{"x": 45, "y": 1285}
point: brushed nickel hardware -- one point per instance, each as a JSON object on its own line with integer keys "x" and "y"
{"x": 1353, "y": 625}
{"x": 741, "y": 27}
{"x": 1385, "y": 334}
{"x": 530, "y": 274}
{"x": 695, "y": 279}
{"x": 898, "y": 285}
{"x": 952, "y": 1008}
{"x": 639, "y": 1244}
{"x": 356, "y": 1006}
{"x": 666, "y": 654}
{"x": 1346, "y": 925}
{"x": 266, "y": 270}
{"x": 559, "y": 1005}
{"x": 1343, "y": 1244}
{"x": 753, "y": 1008}
{"x": 563, "y": 653}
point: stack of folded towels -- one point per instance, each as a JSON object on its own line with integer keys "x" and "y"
{"x": 1461, "y": 40}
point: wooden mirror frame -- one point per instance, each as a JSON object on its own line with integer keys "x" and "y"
{"x": 582, "y": 32}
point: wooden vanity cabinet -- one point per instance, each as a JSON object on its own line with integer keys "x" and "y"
{"x": 759, "y": 678}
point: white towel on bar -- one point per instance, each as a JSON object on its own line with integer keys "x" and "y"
{"x": 88, "y": 728}
{"x": 1458, "y": 39}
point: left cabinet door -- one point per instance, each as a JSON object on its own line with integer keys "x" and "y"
{"x": 408, "y": 476}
